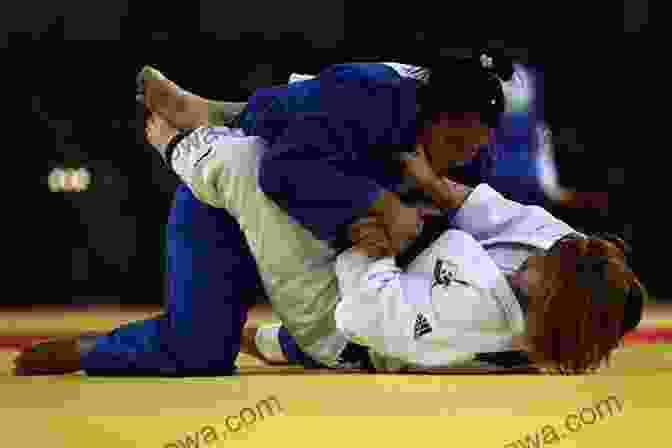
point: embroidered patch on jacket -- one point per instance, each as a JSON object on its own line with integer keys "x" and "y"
{"x": 445, "y": 273}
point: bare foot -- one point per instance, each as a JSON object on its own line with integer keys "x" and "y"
{"x": 55, "y": 357}
{"x": 159, "y": 132}
{"x": 182, "y": 109}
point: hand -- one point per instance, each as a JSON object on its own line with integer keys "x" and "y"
{"x": 417, "y": 166}
{"x": 369, "y": 235}
{"x": 54, "y": 357}
{"x": 159, "y": 132}
{"x": 402, "y": 223}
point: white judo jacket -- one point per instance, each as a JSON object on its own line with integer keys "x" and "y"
{"x": 453, "y": 301}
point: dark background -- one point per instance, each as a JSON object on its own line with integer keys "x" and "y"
{"x": 69, "y": 72}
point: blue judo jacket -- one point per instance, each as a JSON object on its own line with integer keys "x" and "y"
{"x": 332, "y": 142}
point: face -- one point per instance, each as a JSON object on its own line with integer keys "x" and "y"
{"x": 452, "y": 142}
{"x": 529, "y": 279}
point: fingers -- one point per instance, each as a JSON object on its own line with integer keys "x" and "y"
{"x": 420, "y": 149}
{"x": 371, "y": 236}
{"x": 375, "y": 234}
{"x": 151, "y": 127}
{"x": 395, "y": 243}
{"x": 365, "y": 227}
{"x": 149, "y": 124}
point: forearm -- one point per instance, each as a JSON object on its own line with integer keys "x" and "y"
{"x": 446, "y": 194}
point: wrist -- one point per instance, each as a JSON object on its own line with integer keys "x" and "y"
{"x": 447, "y": 195}
{"x": 382, "y": 205}
{"x": 428, "y": 184}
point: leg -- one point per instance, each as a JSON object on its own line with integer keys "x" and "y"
{"x": 223, "y": 113}
{"x": 183, "y": 109}
{"x": 212, "y": 281}
{"x": 221, "y": 168}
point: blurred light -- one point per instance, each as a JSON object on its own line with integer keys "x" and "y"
{"x": 547, "y": 169}
{"x": 69, "y": 180}
{"x": 519, "y": 92}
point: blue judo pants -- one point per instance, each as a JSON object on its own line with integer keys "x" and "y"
{"x": 213, "y": 280}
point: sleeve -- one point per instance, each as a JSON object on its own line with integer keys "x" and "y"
{"x": 487, "y": 214}
{"x": 325, "y": 169}
{"x": 314, "y": 173}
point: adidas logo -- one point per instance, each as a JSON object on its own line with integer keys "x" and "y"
{"x": 421, "y": 326}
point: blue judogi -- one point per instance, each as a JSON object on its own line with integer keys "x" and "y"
{"x": 328, "y": 160}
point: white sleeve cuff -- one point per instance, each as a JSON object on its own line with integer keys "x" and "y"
{"x": 267, "y": 340}
{"x": 469, "y": 217}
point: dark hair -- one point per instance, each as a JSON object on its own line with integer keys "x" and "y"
{"x": 461, "y": 85}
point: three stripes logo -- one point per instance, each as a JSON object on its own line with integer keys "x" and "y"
{"x": 421, "y": 326}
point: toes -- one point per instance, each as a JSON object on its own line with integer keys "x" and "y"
{"x": 145, "y": 73}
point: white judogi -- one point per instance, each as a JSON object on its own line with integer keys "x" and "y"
{"x": 472, "y": 310}
{"x": 452, "y": 302}
{"x": 383, "y": 307}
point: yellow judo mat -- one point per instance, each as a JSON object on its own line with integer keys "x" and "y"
{"x": 624, "y": 405}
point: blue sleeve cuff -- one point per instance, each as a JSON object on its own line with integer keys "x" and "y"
{"x": 292, "y": 352}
